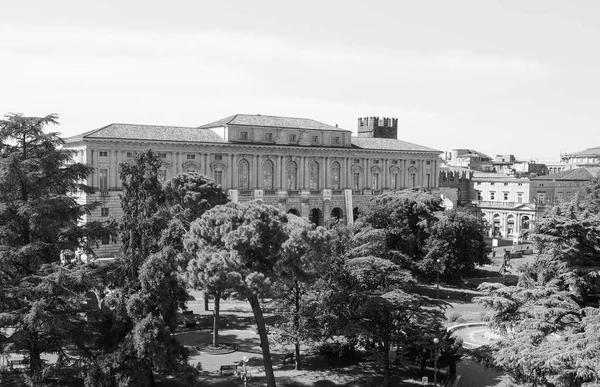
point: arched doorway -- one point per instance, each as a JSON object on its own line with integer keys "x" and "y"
{"x": 497, "y": 225}
{"x": 355, "y": 213}
{"x": 316, "y": 217}
{"x": 293, "y": 211}
{"x": 337, "y": 213}
{"x": 510, "y": 225}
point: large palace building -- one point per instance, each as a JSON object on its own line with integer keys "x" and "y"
{"x": 302, "y": 166}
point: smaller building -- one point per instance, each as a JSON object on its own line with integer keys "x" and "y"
{"x": 469, "y": 158}
{"x": 503, "y": 203}
{"x": 562, "y": 186}
{"x": 585, "y": 158}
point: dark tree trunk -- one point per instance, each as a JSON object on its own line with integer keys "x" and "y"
{"x": 216, "y": 319}
{"x": 205, "y": 301}
{"x": 264, "y": 340}
{"x": 386, "y": 352}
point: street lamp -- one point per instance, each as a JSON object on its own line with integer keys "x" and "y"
{"x": 245, "y": 375}
{"x": 436, "y": 341}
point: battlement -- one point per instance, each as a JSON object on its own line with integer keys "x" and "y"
{"x": 377, "y": 127}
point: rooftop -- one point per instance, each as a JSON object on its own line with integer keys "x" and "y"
{"x": 388, "y": 144}
{"x": 588, "y": 152}
{"x": 585, "y": 173}
{"x": 150, "y": 133}
{"x": 271, "y": 121}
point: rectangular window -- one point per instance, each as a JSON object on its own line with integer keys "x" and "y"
{"x": 243, "y": 135}
{"x": 394, "y": 161}
{"x": 162, "y": 155}
{"x": 479, "y": 196}
{"x": 356, "y": 161}
{"x": 130, "y": 154}
{"x": 541, "y": 197}
{"x": 315, "y": 139}
{"x": 520, "y": 197}
{"x": 413, "y": 179}
{"x": 394, "y": 182}
{"x": 413, "y": 162}
{"x": 505, "y": 196}
{"x": 162, "y": 175}
{"x": 104, "y": 211}
{"x": 505, "y": 183}
{"x": 191, "y": 156}
{"x": 103, "y": 179}
{"x": 336, "y": 140}
{"x": 428, "y": 179}
{"x": 428, "y": 162}
{"x": 492, "y": 183}
{"x": 375, "y": 161}
{"x": 218, "y": 175}
{"x": 492, "y": 195}
{"x": 105, "y": 240}
{"x": 103, "y": 153}
{"x": 356, "y": 180}
{"x": 268, "y": 136}
{"x": 292, "y": 138}
{"x": 218, "y": 157}
{"x": 520, "y": 184}
{"x": 478, "y": 183}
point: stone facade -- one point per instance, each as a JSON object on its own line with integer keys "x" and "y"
{"x": 302, "y": 166}
{"x": 504, "y": 203}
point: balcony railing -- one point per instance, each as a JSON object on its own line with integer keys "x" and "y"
{"x": 246, "y": 192}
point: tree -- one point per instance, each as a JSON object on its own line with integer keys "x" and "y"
{"x": 551, "y": 316}
{"x": 253, "y": 234}
{"x": 302, "y": 258}
{"x": 39, "y": 219}
{"x": 456, "y": 244}
{"x": 406, "y": 217}
{"x": 139, "y": 324}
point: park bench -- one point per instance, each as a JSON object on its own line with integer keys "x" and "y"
{"x": 229, "y": 367}
{"x": 288, "y": 356}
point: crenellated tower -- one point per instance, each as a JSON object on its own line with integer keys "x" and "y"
{"x": 376, "y": 127}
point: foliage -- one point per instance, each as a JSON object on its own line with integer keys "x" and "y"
{"x": 42, "y": 299}
{"x": 406, "y": 217}
{"x": 456, "y": 244}
{"x": 551, "y": 316}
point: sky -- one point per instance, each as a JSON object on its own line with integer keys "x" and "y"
{"x": 501, "y": 77}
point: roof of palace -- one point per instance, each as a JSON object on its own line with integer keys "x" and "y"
{"x": 588, "y": 152}
{"x": 389, "y": 144}
{"x": 584, "y": 173}
{"x": 150, "y": 133}
{"x": 271, "y": 121}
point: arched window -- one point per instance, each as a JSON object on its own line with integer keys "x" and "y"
{"x": 291, "y": 170}
{"x": 314, "y": 176}
{"x": 335, "y": 175}
{"x": 375, "y": 179}
{"x": 268, "y": 175}
{"x": 244, "y": 174}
